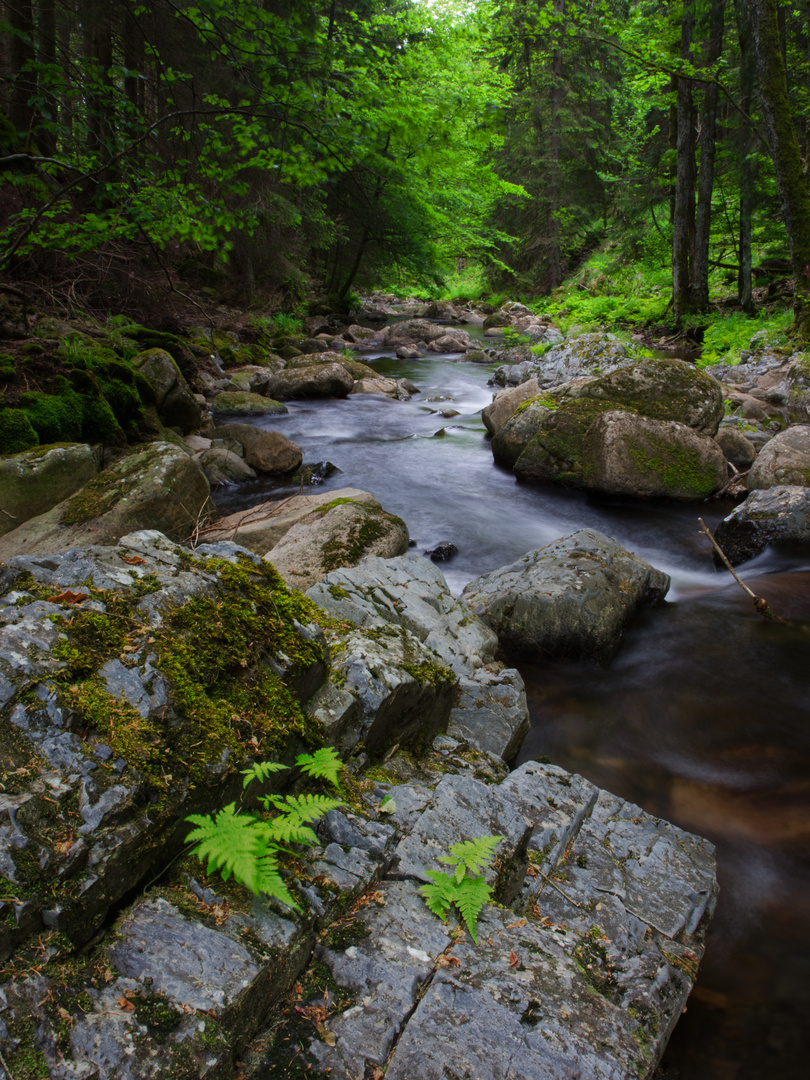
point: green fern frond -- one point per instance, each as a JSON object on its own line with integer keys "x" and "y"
{"x": 260, "y": 771}
{"x": 472, "y": 855}
{"x": 324, "y": 764}
{"x": 470, "y": 896}
{"x": 291, "y": 830}
{"x": 439, "y": 893}
{"x": 230, "y": 842}
{"x": 306, "y": 807}
{"x": 271, "y": 883}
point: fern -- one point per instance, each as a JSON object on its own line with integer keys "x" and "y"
{"x": 248, "y": 847}
{"x": 261, "y": 770}
{"x": 468, "y": 893}
{"x": 324, "y": 764}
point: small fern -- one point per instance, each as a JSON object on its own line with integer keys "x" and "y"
{"x": 248, "y": 847}
{"x": 460, "y": 888}
{"x": 324, "y": 764}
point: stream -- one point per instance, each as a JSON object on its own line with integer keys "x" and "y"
{"x": 701, "y": 718}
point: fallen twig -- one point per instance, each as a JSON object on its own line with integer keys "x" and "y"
{"x": 760, "y": 603}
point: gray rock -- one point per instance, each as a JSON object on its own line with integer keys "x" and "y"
{"x": 243, "y": 403}
{"x": 36, "y": 480}
{"x": 571, "y": 598}
{"x": 273, "y": 452}
{"x": 505, "y": 402}
{"x": 402, "y": 692}
{"x": 623, "y": 454}
{"x": 336, "y": 535}
{"x": 784, "y": 461}
{"x": 774, "y": 515}
{"x": 413, "y": 330}
{"x": 583, "y": 356}
{"x": 738, "y": 449}
{"x": 325, "y": 376}
{"x": 260, "y": 528}
{"x": 492, "y": 713}
{"x": 221, "y": 466}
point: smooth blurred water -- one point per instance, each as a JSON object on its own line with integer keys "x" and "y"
{"x": 702, "y": 717}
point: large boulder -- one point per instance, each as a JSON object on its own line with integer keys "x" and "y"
{"x": 36, "y": 480}
{"x": 259, "y": 528}
{"x": 412, "y": 330}
{"x": 571, "y": 598}
{"x": 222, "y": 466}
{"x": 273, "y": 452}
{"x": 505, "y": 403}
{"x": 737, "y": 447}
{"x": 784, "y": 460}
{"x": 410, "y": 593}
{"x": 158, "y": 486}
{"x": 176, "y": 404}
{"x": 321, "y": 380}
{"x": 623, "y": 454}
{"x": 339, "y": 534}
{"x": 774, "y": 515}
{"x": 543, "y": 441}
{"x": 661, "y": 389}
{"x": 244, "y": 403}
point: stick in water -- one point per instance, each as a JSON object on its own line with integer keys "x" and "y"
{"x": 760, "y": 603}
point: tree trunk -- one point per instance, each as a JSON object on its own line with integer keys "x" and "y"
{"x": 784, "y": 147}
{"x": 684, "y": 184}
{"x": 553, "y": 259}
{"x": 46, "y": 34}
{"x": 97, "y": 27}
{"x": 708, "y": 134}
{"x": 22, "y": 57}
{"x": 748, "y": 62}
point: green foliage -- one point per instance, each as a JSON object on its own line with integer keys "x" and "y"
{"x": 460, "y": 887}
{"x": 16, "y": 431}
{"x": 324, "y": 764}
{"x": 249, "y": 847}
{"x": 730, "y": 333}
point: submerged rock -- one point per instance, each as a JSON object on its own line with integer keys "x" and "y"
{"x": 571, "y": 598}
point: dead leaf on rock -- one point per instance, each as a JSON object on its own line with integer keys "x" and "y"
{"x": 135, "y": 560}
{"x": 126, "y": 1005}
{"x": 514, "y": 959}
{"x": 67, "y": 596}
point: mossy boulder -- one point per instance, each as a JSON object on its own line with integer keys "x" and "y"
{"x": 176, "y": 404}
{"x": 244, "y": 403}
{"x": 662, "y": 390}
{"x": 555, "y": 453}
{"x": 16, "y": 431}
{"x": 777, "y": 515}
{"x": 506, "y": 402}
{"x": 158, "y": 486}
{"x": 623, "y": 454}
{"x": 336, "y": 535}
{"x": 36, "y": 480}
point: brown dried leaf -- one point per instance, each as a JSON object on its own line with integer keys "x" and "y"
{"x": 67, "y": 596}
{"x": 126, "y": 1005}
{"x": 134, "y": 560}
{"x": 514, "y": 959}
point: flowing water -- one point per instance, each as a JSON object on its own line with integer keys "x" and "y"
{"x": 702, "y": 717}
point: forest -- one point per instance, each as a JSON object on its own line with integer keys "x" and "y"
{"x": 286, "y": 150}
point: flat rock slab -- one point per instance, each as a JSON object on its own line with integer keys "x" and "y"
{"x": 584, "y": 974}
{"x": 571, "y": 598}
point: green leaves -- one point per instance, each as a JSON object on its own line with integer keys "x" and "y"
{"x": 248, "y": 847}
{"x": 468, "y": 893}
